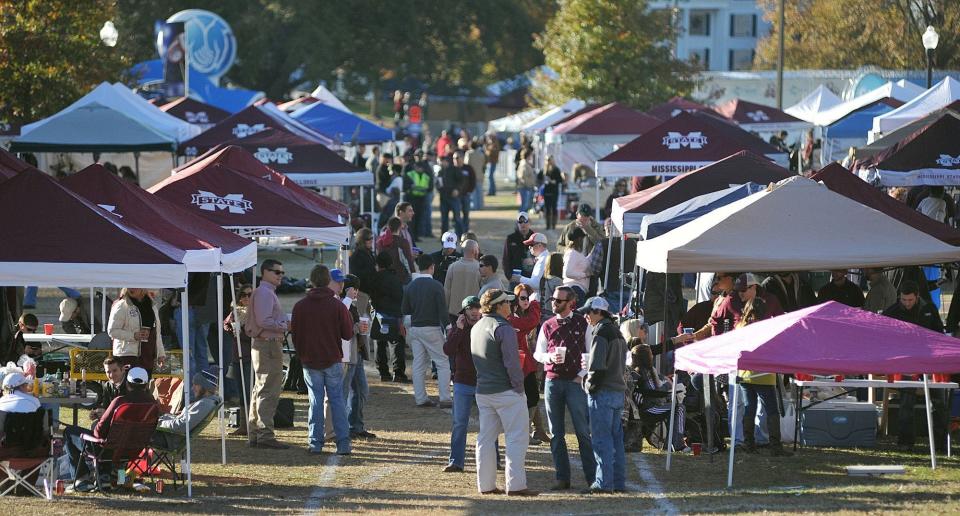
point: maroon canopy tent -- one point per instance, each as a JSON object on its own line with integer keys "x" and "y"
{"x": 10, "y": 165}
{"x": 847, "y": 184}
{"x": 589, "y": 136}
{"x": 674, "y": 107}
{"x": 195, "y": 112}
{"x": 685, "y": 142}
{"x": 864, "y": 154}
{"x": 304, "y": 161}
{"x": 739, "y": 168}
{"x": 134, "y": 205}
{"x": 234, "y": 190}
{"x": 931, "y": 156}
{"x": 247, "y": 122}
{"x": 760, "y": 118}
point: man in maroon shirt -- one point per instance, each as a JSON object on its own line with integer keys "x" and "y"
{"x": 320, "y": 322}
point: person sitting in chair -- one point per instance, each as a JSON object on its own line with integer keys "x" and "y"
{"x": 17, "y": 399}
{"x": 71, "y": 318}
{"x": 114, "y": 387}
{"x": 651, "y": 392}
{"x": 173, "y": 428}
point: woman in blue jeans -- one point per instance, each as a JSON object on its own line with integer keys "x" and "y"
{"x": 457, "y": 347}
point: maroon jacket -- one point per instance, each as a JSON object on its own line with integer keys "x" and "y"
{"x": 730, "y": 309}
{"x": 457, "y": 346}
{"x": 102, "y": 427}
{"x": 320, "y": 320}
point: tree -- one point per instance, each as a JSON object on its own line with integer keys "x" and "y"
{"x": 611, "y": 50}
{"x": 828, "y": 34}
{"x": 51, "y": 54}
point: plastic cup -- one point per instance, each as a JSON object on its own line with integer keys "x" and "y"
{"x": 803, "y": 377}
{"x": 838, "y": 378}
{"x": 896, "y": 377}
{"x": 145, "y": 331}
{"x": 689, "y": 331}
{"x": 364, "y": 325}
{"x": 697, "y": 448}
{"x": 48, "y": 329}
{"x": 561, "y": 354}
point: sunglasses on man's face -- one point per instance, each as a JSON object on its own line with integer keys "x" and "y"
{"x": 558, "y": 300}
{"x": 245, "y": 294}
{"x": 278, "y": 273}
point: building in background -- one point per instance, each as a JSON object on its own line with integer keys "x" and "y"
{"x": 721, "y": 35}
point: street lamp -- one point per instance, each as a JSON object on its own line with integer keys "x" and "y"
{"x": 930, "y": 40}
{"x": 108, "y": 34}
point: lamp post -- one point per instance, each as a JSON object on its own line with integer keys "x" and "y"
{"x": 108, "y": 34}
{"x": 930, "y": 39}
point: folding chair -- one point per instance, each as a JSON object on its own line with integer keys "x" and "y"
{"x": 130, "y": 431}
{"x": 24, "y": 439}
{"x": 169, "y": 457}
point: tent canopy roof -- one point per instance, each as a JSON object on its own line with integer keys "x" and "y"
{"x": 865, "y": 153}
{"x": 835, "y": 339}
{"x": 322, "y": 94}
{"x": 858, "y": 123}
{"x": 610, "y": 119}
{"x": 932, "y": 147}
{"x": 555, "y": 115}
{"x": 938, "y": 96}
{"x": 10, "y": 165}
{"x": 901, "y": 90}
{"x": 341, "y": 126}
{"x": 751, "y": 114}
{"x": 847, "y": 184}
{"x": 784, "y": 229}
{"x": 817, "y": 101}
{"x": 93, "y": 127}
{"x": 77, "y": 243}
{"x": 193, "y": 111}
{"x": 159, "y": 217}
{"x": 674, "y": 107}
{"x": 246, "y": 122}
{"x": 680, "y": 144}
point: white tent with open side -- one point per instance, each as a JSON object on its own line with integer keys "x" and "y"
{"x": 938, "y": 96}
{"x": 797, "y": 224}
{"x": 554, "y": 115}
{"x": 816, "y": 102}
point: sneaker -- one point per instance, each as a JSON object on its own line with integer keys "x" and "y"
{"x": 239, "y": 431}
{"x": 445, "y": 404}
{"x": 534, "y": 441}
{"x": 140, "y": 487}
{"x": 453, "y": 468}
{"x": 427, "y": 404}
{"x": 314, "y": 451}
{"x": 594, "y": 490}
{"x": 84, "y": 486}
{"x": 494, "y": 491}
{"x": 343, "y": 453}
{"x": 523, "y": 492}
{"x": 746, "y": 448}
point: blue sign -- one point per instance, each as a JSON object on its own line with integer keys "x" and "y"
{"x": 211, "y": 45}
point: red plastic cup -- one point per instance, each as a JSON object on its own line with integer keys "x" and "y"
{"x": 940, "y": 378}
{"x": 60, "y": 488}
{"x": 896, "y": 377}
{"x": 158, "y": 487}
{"x": 48, "y": 329}
{"x": 697, "y": 448}
{"x": 803, "y": 377}
{"x": 838, "y": 378}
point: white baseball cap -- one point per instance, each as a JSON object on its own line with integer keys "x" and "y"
{"x": 138, "y": 375}
{"x": 14, "y": 380}
{"x": 449, "y": 240}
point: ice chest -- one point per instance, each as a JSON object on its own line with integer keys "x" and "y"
{"x": 839, "y": 424}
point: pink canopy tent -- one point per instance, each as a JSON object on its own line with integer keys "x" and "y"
{"x": 830, "y": 338}
{"x": 234, "y": 190}
{"x": 683, "y": 143}
{"x": 200, "y": 238}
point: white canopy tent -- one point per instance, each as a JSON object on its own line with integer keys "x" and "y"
{"x": 901, "y": 90}
{"x": 327, "y": 97}
{"x": 797, "y": 224}
{"x": 513, "y": 123}
{"x": 938, "y": 96}
{"x": 816, "y": 102}
{"x": 554, "y": 115}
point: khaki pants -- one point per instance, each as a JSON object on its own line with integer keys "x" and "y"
{"x": 266, "y": 356}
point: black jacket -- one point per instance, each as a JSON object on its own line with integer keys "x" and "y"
{"x": 922, "y": 314}
{"x": 364, "y": 266}
{"x": 451, "y": 179}
{"x": 795, "y": 299}
{"x": 387, "y": 294}
{"x": 442, "y": 263}
{"x": 514, "y": 251}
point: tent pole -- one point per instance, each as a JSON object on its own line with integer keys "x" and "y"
{"x": 623, "y": 242}
{"x": 926, "y": 398}
{"x": 604, "y": 286}
{"x": 103, "y": 310}
{"x": 373, "y": 217}
{"x": 236, "y": 335}
{"x": 93, "y": 307}
{"x": 733, "y": 427}
{"x": 223, "y": 426}
{"x": 673, "y": 412}
{"x": 596, "y": 182}
{"x": 185, "y": 346}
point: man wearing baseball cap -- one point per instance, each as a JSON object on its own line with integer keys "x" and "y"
{"x": 605, "y": 387}
{"x": 446, "y": 256}
{"x": 457, "y": 347}
{"x": 537, "y": 244}
{"x": 586, "y": 222}
{"x": 515, "y": 252}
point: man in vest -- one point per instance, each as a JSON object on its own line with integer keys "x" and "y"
{"x": 562, "y": 341}
{"x": 421, "y": 183}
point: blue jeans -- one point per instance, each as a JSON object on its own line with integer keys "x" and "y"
{"x": 526, "y": 198}
{"x": 569, "y": 395}
{"x": 760, "y": 433}
{"x": 476, "y": 198}
{"x": 767, "y": 395}
{"x": 199, "y": 360}
{"x": 448, "y": 204}
{"x": 327, "y": 381}
{"x": 464, "y": 399}
{"x": 426, "y": 222}
{"x": 465, "y": 210}
{"x": 491, "y": 171}
{"x": 30, "y": 295}
{"x": 359, "y": 390}
{"x": 606, "y": 409}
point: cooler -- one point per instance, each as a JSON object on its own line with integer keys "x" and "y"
{"x": 843, "y": 424}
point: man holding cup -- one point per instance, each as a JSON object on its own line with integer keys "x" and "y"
{"x": 560, "y": 345}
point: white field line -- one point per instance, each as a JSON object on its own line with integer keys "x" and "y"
{"x": 322, "y": 490}
{"x": 664, "y": 505}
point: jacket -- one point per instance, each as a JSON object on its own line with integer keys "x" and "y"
{"x": 423, "y": 302}
{"x": 525, "y": 325}
{"x": 102, "y": 427}
{"x": 593, "y": 230}
{"x": 387, "y": 294}
{"x": 450, "y": 179}
{"x": 798, "y": 295}
{"x": 608, "y": 355}
{"x": 730, "y": 308}
{"x": 848, "y": 294}
{"x": 123, "y": 323}
{"x": 319, "y": 323}
{"x": 576, "y": 270}
{"x": 493, "y": 346}
{"x": 364, "y": 266}
{"x": 514, "y": 252}
{"x": 922, "y": 314}
{"x": 457, "y": 347}
{"x": 526, "y": 175}
{"x": 463, "y": 279}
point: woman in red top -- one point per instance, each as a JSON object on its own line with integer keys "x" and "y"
{"x": 526, "y": 320}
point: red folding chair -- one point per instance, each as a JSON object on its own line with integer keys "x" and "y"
{"x": 131, "y": 428}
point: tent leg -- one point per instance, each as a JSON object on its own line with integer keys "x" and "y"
{"x": 623, "y": 242}
{"x": 596, "y": 206}
{"x": 708, "y": 410}
{"x": 103, "y": 310}
{"x": 733, "y": 428}
{"x": 926, "y": 398}
{"x": 223, "y": 426}
{"x": 185, "y": 346}
{"x": 373, "y": 217}
{"x": 236, "y": 336}
{"x": 93, "y": 307}
{"x": 673, "y": 415}
{"x": 604, "y": 283}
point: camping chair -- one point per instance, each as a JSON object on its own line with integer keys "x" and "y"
{"x": 169, "y": 457}
{"x": 25, "y": 438}
{"x": 131, "y": 427}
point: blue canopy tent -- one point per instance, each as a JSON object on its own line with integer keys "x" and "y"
{"x": 671, "y": 218}
{"x": 341, "y": 126}
{"x": 851, "y": 130}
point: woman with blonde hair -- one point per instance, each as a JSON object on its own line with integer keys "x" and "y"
{"x": 133, "y": 326}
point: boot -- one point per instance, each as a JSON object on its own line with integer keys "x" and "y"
{"x": 539, "y": 432}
